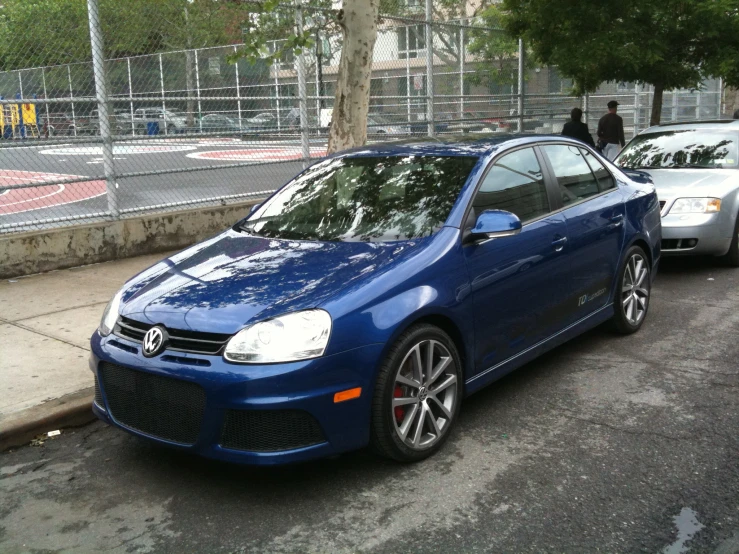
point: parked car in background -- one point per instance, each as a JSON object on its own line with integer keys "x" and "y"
{"x": 363, "y": 300}
{"x": 265, "y": 121}
{"x": 170, "y": 121}
{"x": 382, "y": 125}
{"x": 695, "y": 167}
{"x": 219, "y": 123}
{"x": 57, "y": 124}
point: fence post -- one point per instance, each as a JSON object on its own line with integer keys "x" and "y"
{"x": 674, "y": 104}
{"x": 164, "y": 103}
{"x": 720, "y": 99}
{"x": 276, "y": 68}
{"x": 71, "y": 95}
{"x": 20, "y": 84}
{"x": 461, "y": 69}
{"x": 521, "y": 84}
{"x": 407, "y": 74}
{"x": 46, "y": 97}
{"x": 302, "y": 89}
{"x": 98, "y": 67}
{"x": 197, "y": 90}
{"x": 130, "y": 96}
{"x": 238, "y": 89}
{"x": 429, "y": 67}
{"x": 586, "y": 106}
{"x": 637, "y": 108}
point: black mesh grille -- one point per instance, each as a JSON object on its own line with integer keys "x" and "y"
{"x": 193, "y": 342}
{"x": 661, "y": 204}
{"x": 270, "y": 430}
{"x": 98, "y": 394}
{"x": 159, "y": 406}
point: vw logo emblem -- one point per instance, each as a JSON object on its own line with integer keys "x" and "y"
{"x": 155, "y": 340}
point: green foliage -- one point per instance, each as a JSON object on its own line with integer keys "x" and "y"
{"x": 667, "y": 43}
{"x": 496, "y": 49}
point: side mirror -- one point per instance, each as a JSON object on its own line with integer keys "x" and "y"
{"x": 493, "y": 224}
{"x": 254, "y": 208}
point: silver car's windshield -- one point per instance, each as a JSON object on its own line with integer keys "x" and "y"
{"x": 682, "y": 148}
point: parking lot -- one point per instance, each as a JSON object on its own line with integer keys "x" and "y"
{"x": 606, "y": 444}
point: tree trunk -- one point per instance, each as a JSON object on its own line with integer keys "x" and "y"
{"x": 659, "y": 90}
{"x": 358, "y": 20}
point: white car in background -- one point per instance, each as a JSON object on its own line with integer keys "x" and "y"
{"x": 695, "y": 168}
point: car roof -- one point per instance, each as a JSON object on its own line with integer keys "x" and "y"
{"x": 714, "y": 124}
{"x": 471, "y": 144}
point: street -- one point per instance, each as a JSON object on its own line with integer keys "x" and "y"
{"x": 596, "y": 447}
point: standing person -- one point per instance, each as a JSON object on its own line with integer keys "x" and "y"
{"x": 575, "y": 128}
{"x": 611, "y": 132}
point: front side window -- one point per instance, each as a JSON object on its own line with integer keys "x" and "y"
{"x": 515, "y": 184}
{"x": 576, "y": 181}
{"x": 676, "y": 149}
{"x": 369, "y": 199}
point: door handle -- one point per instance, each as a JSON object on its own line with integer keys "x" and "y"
{"x": 617, "y": 220}
{"x": 559, "y": 244}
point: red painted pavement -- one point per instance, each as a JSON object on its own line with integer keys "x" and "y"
{"x": 34, "y": 198}
{"x": 261, "y": 154}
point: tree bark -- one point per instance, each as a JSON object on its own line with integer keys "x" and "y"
{"x": 659, "y": 90}
{"x": 358, "y": 20}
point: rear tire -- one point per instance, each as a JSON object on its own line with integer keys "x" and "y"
{"x": 731, "y": 258}
{"x": 633, "y": 289}
{"x": 417, "y": 395}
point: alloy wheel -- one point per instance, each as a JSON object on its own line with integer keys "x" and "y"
{"x": 635, "y": 289}
{"x": 424, "y": 395}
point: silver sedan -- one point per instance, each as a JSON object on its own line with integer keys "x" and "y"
{"x": 695, "y": 168}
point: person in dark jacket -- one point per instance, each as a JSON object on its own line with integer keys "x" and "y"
{"x": 736, "y": 114}
{"x": 611, "y": 132}
{"x": 575, "y": 128}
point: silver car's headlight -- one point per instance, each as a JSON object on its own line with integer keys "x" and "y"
{"x": 696, "y": 206}
{"x": 110, "y": 315}
{"x": 291, "y": 337}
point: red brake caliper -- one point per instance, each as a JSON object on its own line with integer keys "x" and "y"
{"x": 399, "y": 410}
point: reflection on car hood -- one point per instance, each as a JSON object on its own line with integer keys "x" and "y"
{"x": 674, "y": 183}
{"x": 236, "y": 278}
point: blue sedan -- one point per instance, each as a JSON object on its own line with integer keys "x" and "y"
{"x": 362, "y": 301}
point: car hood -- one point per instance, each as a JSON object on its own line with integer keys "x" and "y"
{"x": 235, "y": 278}
{"x": 672, "y": 183}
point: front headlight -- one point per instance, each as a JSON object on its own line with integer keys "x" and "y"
{"x": 291, "y": 337}
{"x": 696, "y": 205}
{"x": 110, "y": 315}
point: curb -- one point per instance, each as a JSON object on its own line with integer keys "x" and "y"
{"x": 71, "y": 410}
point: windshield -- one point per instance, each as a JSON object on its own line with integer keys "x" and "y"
{"x": 674, "y": 149}
{"x": 373, "y": 199}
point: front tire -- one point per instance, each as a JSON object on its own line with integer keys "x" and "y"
{"x": 634, "y": 288}
{"x": 417, "y": 396}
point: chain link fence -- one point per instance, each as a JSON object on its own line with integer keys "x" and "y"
{"x": 101, "y": 139}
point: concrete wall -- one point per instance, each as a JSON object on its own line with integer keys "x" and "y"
{"x": 38, "y": 251}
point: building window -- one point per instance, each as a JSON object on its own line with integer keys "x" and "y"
{"x": 411, "y": 41}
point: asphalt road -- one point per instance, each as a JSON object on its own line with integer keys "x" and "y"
{"x": 85, "y": 159}
{"x": 596, "y": 447}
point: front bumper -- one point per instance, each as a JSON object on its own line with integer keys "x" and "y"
{"x": 307, "y": 386}
{"x": 713, "y": 233}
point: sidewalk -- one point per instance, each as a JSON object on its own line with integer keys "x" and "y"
{"x": 45, "y": 325}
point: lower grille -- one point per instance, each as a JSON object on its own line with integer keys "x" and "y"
{"x": 270, "y": 430}
{"x": 679, "y": 244}
{"x": 98, "y": 394}
{"x": 159, "y": 406}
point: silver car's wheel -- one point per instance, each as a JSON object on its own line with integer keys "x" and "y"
{"x": 634, "y": 289}
{"x": 424, "y": 395}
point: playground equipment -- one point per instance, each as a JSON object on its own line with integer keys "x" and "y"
{"x": 19, "y": 120}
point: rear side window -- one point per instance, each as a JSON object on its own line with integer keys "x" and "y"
{"x": 605, "y": 179}
{"x": 514, "y": 184}
{"x": 576, "y": 181}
